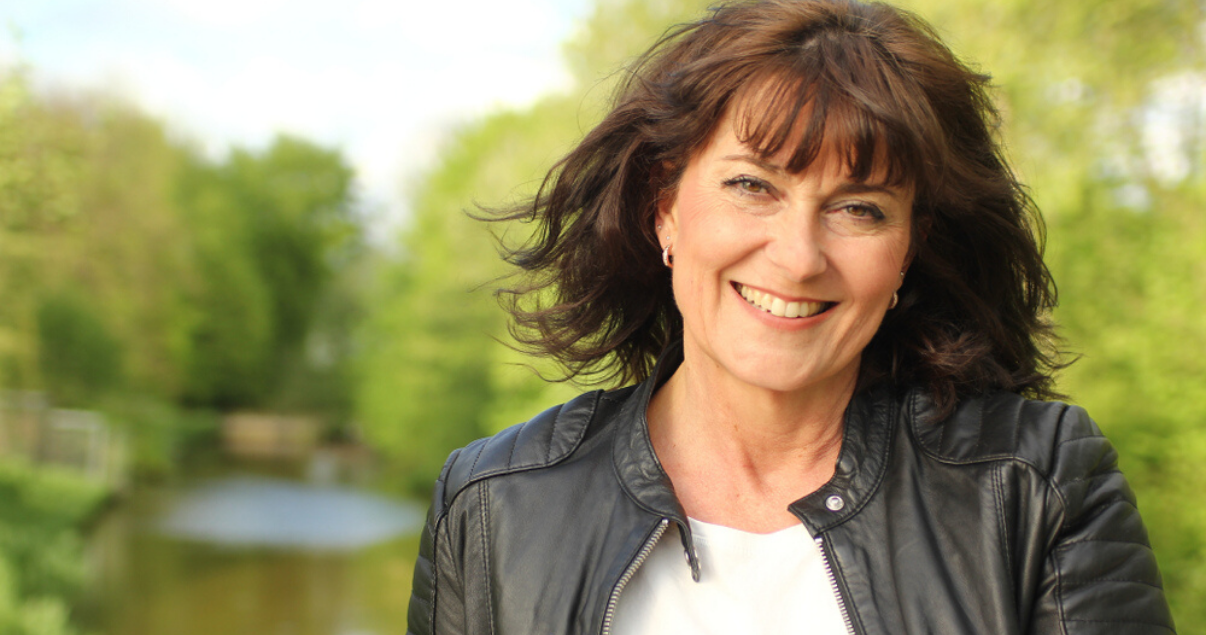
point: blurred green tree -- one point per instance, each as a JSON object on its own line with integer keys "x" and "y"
{"x": 272, "y": 229}
{"x": 135, "y": 268}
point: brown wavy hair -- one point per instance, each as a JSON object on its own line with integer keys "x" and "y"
{"x": 866, "y": 77}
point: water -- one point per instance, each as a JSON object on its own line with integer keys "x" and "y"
{"x": 250, "y": 553}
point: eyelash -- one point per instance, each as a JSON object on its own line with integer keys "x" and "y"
{"x": 744, "y": 183}
{"x": 864, "y": 210}
{"x": 857, "y": 210}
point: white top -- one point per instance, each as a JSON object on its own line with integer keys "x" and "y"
{"x": 749, "y": 583}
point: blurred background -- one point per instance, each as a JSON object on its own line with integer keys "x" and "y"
{"x": 243, "y": 318}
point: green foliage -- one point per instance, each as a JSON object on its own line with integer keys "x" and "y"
{"x": 41, "y": 567}
{"x": 35, "y": 196}
{"x": 270, "y": 230}
{"x": 297, "y": 199}
{"x": 78, "y": 354}
{"x": 131, "y": 265}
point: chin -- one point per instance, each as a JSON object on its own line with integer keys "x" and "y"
{"x": 785, "y": 375}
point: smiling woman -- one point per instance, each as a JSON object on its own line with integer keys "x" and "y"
{"x": 796, "y": 231}
{"x": 815, "y": 240}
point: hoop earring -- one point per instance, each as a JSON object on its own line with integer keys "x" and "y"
{"x": 667, "y": 257}
{"x": 895, "y": 300}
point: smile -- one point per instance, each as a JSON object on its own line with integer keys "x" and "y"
{"x": 779, "y": 307}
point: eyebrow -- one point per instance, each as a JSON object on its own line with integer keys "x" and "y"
{"x": 850, "y": 187}
{"x": 756, "y": 160}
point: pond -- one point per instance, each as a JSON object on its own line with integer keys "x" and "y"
{"x": 253, "y": 550}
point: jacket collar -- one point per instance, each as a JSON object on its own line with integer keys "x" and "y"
{"x": 637, "y": 467}
{"x": 870, "y": 423}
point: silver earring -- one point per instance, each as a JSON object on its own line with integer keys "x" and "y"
{"x": 896, "y": 294}
{"x": 667, "y": 257}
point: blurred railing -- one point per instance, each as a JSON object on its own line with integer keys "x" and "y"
{"x": 79, "y": 440}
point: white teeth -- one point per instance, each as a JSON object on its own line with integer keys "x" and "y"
{"x": 778, "y": 306}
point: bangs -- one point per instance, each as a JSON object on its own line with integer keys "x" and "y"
{"x": 820, "y": 104}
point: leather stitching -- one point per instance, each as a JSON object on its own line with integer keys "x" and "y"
{"x": 893, "y": 415}
{"x": 1163, "y": 626}
{"x": 548, "y": 448}
{"x": 1063, "y": 518}
{"x": 1059, "y": 594}
{"x": 1093, "y": 476}
{"x": 481, "y": 449}
{"x": 435, "y": 572}
{"x": 485, "y": 519}
{"x": 475, "y": 477}
{"x": 1126, "y": 580}
{"x": 514, "y": 443}
{"x": 1121, "y": 542}
{"x": 442, "y": 480}
{"x": 998, "y": 488}
{"x": 1074, "y": 440}
{"x": 1085, "y": 519}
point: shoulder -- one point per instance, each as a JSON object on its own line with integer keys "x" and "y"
{"x": 1056, "y": 439}
{"x": 1058, "y": 489}
{"x": 540, "y": 442}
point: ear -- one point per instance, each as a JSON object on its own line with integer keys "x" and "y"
{"x": 667, "y": 217}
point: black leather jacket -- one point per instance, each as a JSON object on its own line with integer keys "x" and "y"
{"x": 1010, "y": 516}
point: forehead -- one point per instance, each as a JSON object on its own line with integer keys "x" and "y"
{"x": 733, "y": 139}
{"x": 793, "y": 124}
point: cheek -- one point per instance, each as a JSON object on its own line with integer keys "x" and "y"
{"x": 874, "y": 271}
{"x": 709, "y": 243}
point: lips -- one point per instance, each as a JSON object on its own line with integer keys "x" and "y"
{"x": 780, "y": 307}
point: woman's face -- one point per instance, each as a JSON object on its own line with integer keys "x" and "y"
{"x": 782, "y": 279}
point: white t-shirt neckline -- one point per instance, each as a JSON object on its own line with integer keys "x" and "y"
{"x": 749, "y": 583}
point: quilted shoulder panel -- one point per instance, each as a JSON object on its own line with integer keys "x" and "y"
{"x": 541, "y": 441}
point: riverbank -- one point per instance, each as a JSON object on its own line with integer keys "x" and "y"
{"x": 42, "y": 572}
{"x": 257, "y": 547}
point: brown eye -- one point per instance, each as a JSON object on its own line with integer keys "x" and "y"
{"x": 749, "y": 185}
{"x": 861, "y": 210}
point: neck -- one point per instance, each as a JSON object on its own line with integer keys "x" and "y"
{"x": 739, "y": 454}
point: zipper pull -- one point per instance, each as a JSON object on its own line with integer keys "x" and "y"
{"x": 693, "y": 561}
{"x": 689, "y": 552}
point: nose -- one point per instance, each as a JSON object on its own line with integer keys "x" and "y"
{"x": 798, "y": 248}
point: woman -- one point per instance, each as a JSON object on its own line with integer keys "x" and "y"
{"x": 796, "y": 207}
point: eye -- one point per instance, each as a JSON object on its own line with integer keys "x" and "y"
{"x": 862, "y": 211}
{"x": 749, "y": 185}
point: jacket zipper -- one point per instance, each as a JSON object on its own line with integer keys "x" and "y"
{"x": 837, "y": 593}
{"x": 640, "y": 558}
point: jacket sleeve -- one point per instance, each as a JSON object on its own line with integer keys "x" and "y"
{"x": 436, "y": 576}
{"x": 1100, "y": 575}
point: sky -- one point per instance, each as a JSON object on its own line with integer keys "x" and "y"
{"x": 381, "y": 80}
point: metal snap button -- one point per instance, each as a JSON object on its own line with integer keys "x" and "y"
{"x": 835, "y": 503}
